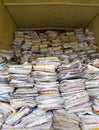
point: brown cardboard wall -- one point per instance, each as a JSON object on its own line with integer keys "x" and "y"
{"x": 95, "y": 26}
{"x": 7, "y": 27}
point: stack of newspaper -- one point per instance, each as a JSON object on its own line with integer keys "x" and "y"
{"x": 5, "y": 90}
{"x": 70, "y": 71}
{"x": 17, "y": 44}
{"x": 7, "y": 55}
{"x": 5, "y": 111}
{"x": 72, "y": 88}
{"x": 64, "y": 120}
{"x": 26, "y": 46}
{"x": 75, "y": 97}
{"x": 89, "y": 121}
{"x": 47, "y": 84}
{"x": 20, "y": 79}
{"x": 17, "y": 103}
{"x": 87, "y": 43}
{"x": 92, "y": 87}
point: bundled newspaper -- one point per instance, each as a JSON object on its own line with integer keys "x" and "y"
{"x": 25, "y": 92}
{"x": 46, "y": 82}
{"x": 5, "y": 90}
{"x": 75, "y": 97}
{"x": 89, "y": 122}
{"x": 92, "y": 86}
{"x": 72, "y": 88}
{"x": 64, "y": 120}
{"x": 6, "y": 55}
{"x": 70, "y": 71}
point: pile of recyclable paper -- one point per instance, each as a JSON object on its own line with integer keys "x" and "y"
{"x": 46, "y": 82}
{"x": 75, "y": 43}
{"x": 72, "y": 88}
{"x": 44, "y": 85}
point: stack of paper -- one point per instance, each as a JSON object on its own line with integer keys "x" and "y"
{"x": 86, "y": 42}
{"x": 49, "y": 61}
{"x": 75, "y": 97}
{"x": 92, "y": 87}
{"x": 26, "y": 93}
{"x": 70, "y": 71}
{"x": 36, "y": 49}
{"x": 47, "y": 84}
{"x": 17, "y": 44}
{"x": 63, "y": 120}
{"x": 64, "y": 59}
{"x": 80, "y": 35}
{"x": 26, "y": 46}
{"x": 49, "y": 98}
{"x": 72, "y": 88}
{"x": 5, "y": 90}
{"x": 17, "y": 103}
{"x": 89, "y": 121}
{"x": 2, "y": 119}
{"x": 5, "y": 111}
{"x": 6, "y": 55}
{"x": 23, "y": 84}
